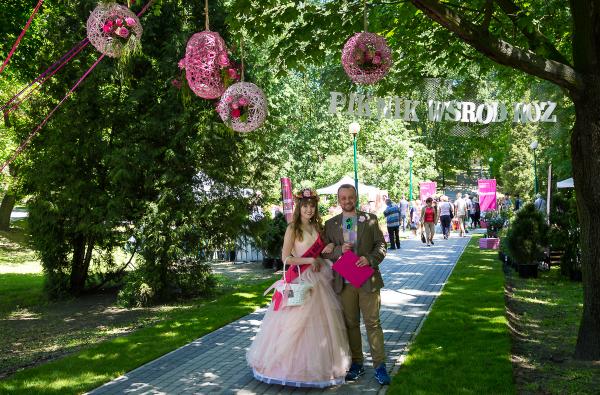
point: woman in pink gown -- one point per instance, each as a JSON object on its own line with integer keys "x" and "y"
{"x": 306, "y": 345}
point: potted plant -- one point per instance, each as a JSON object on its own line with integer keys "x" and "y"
{"x": 564, "y": 234}
{"x": 270, "y": 239}
{"x": 494, "y": 224}
{"x": 527, "y": 240}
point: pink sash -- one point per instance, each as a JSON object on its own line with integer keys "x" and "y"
{"x": 292, "y": 273}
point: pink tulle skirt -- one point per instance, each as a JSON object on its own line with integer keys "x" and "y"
{"x": 303, "y": 346}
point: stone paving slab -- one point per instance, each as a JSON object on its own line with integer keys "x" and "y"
{"x": 215, "y": 363}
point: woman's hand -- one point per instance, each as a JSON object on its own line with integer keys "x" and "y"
{"x": 328, "y": 249}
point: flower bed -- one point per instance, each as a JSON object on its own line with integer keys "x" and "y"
{"x": 492, "y": 243}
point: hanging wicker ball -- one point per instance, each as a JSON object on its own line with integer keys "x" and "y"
{"x": 113, "y": 29}
{"x": 243, "y": 107}
{"x": 366, "y": 58}
{"x": 201, "y": 64}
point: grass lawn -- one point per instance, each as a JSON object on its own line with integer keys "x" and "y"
{"x": 464, "y": 346}
{"x": 94, "y": 366}
{"x": 20, "y": 290}
{"x": 545, "y": 314}
{"x": 36, "y": 332}
{"x": 21, "y": 280}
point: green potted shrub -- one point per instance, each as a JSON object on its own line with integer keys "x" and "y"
{"x": 495, "y": 223}
{"x": 564, "y": 234}
{"x": 527, "y": 240}
{"x": 269, "y": 239}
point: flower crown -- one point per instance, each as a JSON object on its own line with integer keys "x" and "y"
{"x": 306, "y": 193}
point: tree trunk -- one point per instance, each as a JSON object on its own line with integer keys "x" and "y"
{"x": 81, "y": 264}
{"x": 6, "y": 207}
{"x": 585, "y": 141}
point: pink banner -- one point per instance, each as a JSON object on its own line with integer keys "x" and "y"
{"x": 487, "y": 194}
{"x": 427, "y": 189}
{"x": 288, "y": 198}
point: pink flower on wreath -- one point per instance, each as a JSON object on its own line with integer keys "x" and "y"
{"x": 228, "y": 99}
{"x": 235, "y": 105}
{"x": 236, "y": 113}
{"x": 122, "y": 32}
{"x": 376, "y": 59}
{"x": 243, "y": 101}
{"x": 232, "y": 74}
{"x": 306, "y": 193}
{"x": 223, "y": 59}
{"x": 119, "y": 22}
{"x": 106, "y": 28}
{"x": 181, "y": 64}
{"x": 130, "y": 21}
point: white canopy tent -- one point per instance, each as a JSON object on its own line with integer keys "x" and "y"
{"x": 333, "y": 189}
{"x": 568, "y": 183}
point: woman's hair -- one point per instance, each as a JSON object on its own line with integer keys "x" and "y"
{"x": 429, "y": 200}
{"x": 297, "y": 221}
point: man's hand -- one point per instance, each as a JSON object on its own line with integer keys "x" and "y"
{"x": 346, "y": 247}
{"x": 328, "y": 249}
{"x": 362, "y": 261}
{"x": 316, "y": 265}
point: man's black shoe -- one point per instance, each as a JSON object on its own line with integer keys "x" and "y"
{"x": 356, "y": 370}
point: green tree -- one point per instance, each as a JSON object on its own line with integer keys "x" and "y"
{"x": 517, "y": 167}
{"x": 549, "y": 40}
{"x": 124, "y": 157}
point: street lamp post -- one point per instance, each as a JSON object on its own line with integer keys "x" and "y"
{"x": 354, "y": 128}
{"x": 533, "y": 147}
{"x": 410, "y": 155}
{"x": 491, "y": 160}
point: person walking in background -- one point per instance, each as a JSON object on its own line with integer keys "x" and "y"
{"x": 429, "y": 218}
{"x": 507, "y": 203}
{"x": 415, "y": 217}
{"x": 446, "y": 212}
{"x": 392, "y": 217}
{"x": 471, "y": 208}
{"x": 540, "y": 203}
{"x": 460, "y": 208}
{"x": 403, "y": 205}
{"x": 477, "y": 216}
{"x": 469, "y": 204}
{"x": 518, "y": 202}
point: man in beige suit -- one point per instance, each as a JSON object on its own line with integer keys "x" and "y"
{"x": 360, "y": 232}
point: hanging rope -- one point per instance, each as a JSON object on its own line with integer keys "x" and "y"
{"x": 25, "y": 143}
{"x": 206, "y": 16}
{"x": 16, "y": 44}
{"x": 34, "y": 131}
{"x": 50, "y": 71}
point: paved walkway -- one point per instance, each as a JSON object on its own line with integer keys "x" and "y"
{"x": 215, "y": 363}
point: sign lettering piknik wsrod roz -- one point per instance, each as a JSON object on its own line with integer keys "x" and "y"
{"x": 394, "y": 107}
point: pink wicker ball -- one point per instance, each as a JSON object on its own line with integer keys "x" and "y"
{"x": 243, "y": 107}
{"x": 366, "y": 58}
{"x": 113, "y": 29}
{"x": 202, "y": 69}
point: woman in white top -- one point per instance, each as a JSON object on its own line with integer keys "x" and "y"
{"x": 446, "y": 210}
